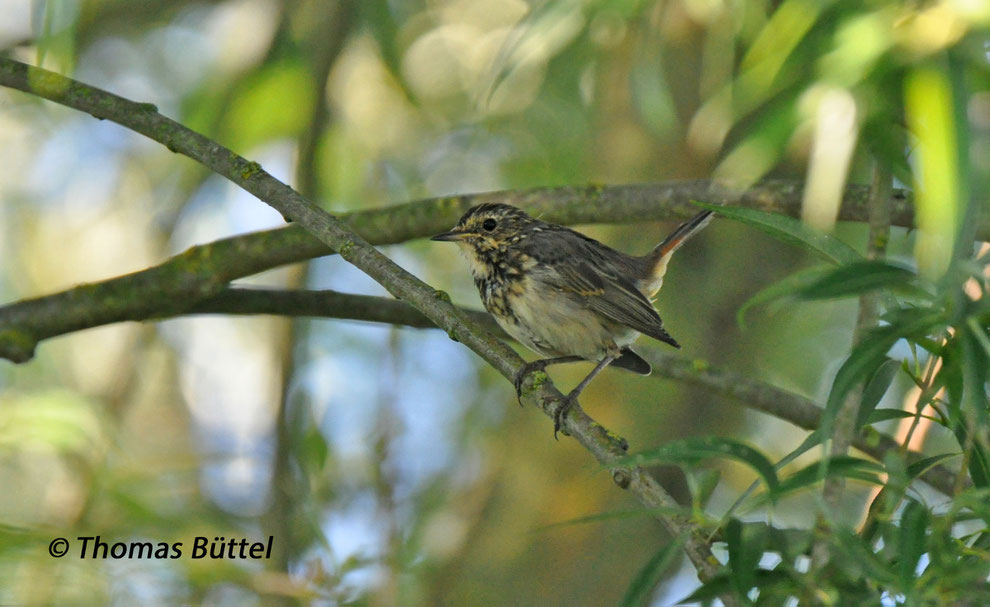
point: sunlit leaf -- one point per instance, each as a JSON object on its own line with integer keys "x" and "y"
{"x": 929, "y": 110}
{"x": 257, "y": 113}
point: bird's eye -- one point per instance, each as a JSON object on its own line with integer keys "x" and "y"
{"x": 489, "y": 224}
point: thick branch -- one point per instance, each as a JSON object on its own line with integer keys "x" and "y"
{"x": 203, "y": 270}
{"x": 144, "y": 119}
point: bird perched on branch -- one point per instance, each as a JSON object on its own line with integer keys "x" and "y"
{"x": 564, "y": 295}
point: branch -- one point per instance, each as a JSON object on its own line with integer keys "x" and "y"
{"x": 329, "y": 304}
{"x": 202, "y": 271}
{"x": 334, "y": 233}
{"x": 754, "y": 394}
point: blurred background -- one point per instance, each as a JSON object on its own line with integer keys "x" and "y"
{"x": 390, "y": 465}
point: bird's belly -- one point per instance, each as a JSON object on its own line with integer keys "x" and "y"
{"x": 553, "y": 324}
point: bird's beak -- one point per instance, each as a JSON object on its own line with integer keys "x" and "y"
{"x": 451, "y": 236}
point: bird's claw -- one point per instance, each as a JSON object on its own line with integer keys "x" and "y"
{"x": 560, "y": 413}
{"x": 520, "y": 377}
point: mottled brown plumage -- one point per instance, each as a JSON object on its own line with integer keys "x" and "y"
{"x": 562, "y": 294}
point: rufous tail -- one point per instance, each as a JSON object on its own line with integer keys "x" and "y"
{"x": 657, "y": 258}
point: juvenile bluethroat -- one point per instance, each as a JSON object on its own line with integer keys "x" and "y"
{"x": 564, "y": 295}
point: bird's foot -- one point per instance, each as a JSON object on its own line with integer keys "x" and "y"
{"x": 560, "y": 413}
{"x": 536, "y": 365}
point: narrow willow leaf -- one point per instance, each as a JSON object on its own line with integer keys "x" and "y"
{"x": 924, "y": 465}
{"x": 975, "y": 371}
{"x": 979, "y": 468}
{"x": 979, "y": 333}
{"x": 703, "y": 447}
{"x": 861, "y": 277}
{"x": 844, "y": 466}
{"x": 866, "y": 358}
{"x": 852, "y": 548}
{"x": 721, "y": 584}
{"x": 745, "y": 544}
{"x": 876, "y": 388}
{"x": 893, "y": 490}
{"x": 702, "y": 484}
{"x": 882, "y": 415}
{"x": 914, "y": 522}
{"x": 791, "y": 231}
{"x": 641, "y": 587}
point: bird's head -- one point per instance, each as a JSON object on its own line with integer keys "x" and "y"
{"x": 489, "y": 228}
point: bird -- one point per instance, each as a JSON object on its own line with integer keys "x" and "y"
{"x": 564, "y": 295}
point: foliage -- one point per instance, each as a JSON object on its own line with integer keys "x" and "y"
{"x": 386, "y": 463}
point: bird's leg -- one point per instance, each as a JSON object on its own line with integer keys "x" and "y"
{"x": 571, "y": 398}
{"x": 538, "y": 365}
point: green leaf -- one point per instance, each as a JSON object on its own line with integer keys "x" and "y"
{"x": 258, "y": 113}
{"x": 641, "y": 587}
{"x": 722, "y": 584}
{"x": 882, "y": 415}
{"x": 693, "y": 449}
{"x": 861, "y": 277}
{"x": 791, "y": 231}
{"x": 876, "y": 388}
{"x": 844, "y": 465}
{"x": 702, "y": 484}
{"x": 789, "y": 286}
{"x": 914, "y": 522}
{"x": 745, "y": 545}
{"x": 979, "y": 334}
{"x": 924, "y": 465}
{"x": 965, "y": 372}
{"x": 867, "y": 357}
{"x": 313, "y": 449}
{"x": 857, "y": 553}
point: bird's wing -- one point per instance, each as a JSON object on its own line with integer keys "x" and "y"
{"x": 582, "y": 268}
